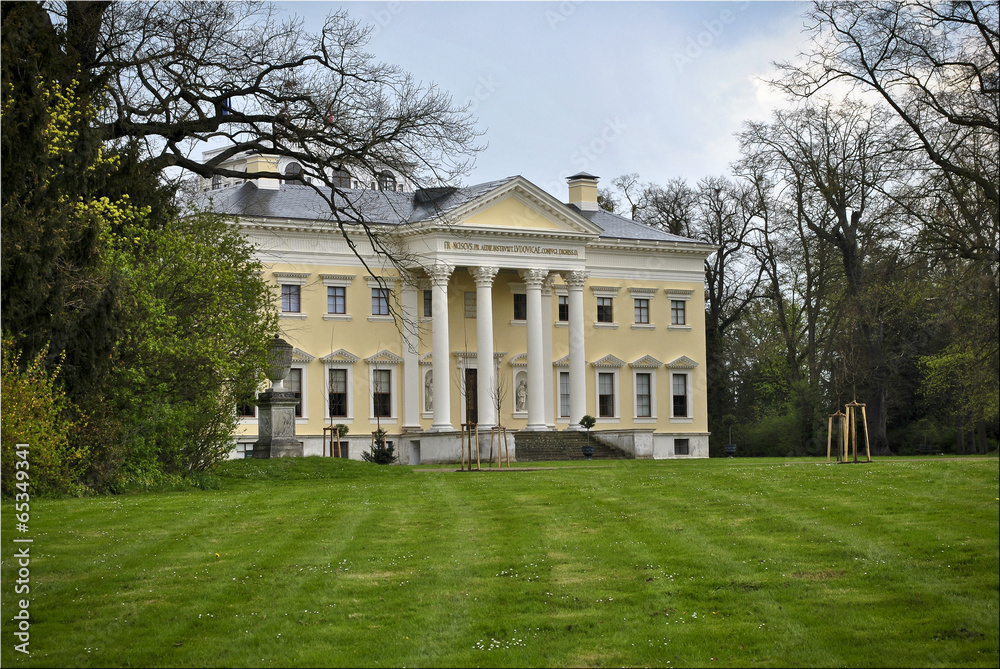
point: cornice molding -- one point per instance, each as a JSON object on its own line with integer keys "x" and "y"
{"x": 384, "y": 357}
{"x": 609, "y": 361}
{"x": 340, "y": 355}
{"x": 645, "y": 362}
{"x": 682, "y": 362}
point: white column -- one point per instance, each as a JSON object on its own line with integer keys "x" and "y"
{"x": 533, "y": 279}
{"x": 439, "y": 328}
{"x": 485, "y": 370}
{"x": 577, "y": 355}
{"x": 411, "y": 362}
{"x": 547, "y": 351}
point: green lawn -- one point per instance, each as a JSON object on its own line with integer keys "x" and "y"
{"x": 314, "y": 562}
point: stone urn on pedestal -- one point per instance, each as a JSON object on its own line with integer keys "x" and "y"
{"x": 276, "y": 415}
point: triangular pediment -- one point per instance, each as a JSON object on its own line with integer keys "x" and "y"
{"x": 341, "y": 355}
{"x": 519, "y": 205}
{"x": 561, "y": 362}
{"x": 298, "y": 355}
{"x": 427, "y": 358}
{"x": 384, "y": 357}
{"x": 609, "y": 361}
{"x": 512, "y": 212}
{"x": 682, "y": 362}
{"x": 646, "y": 361}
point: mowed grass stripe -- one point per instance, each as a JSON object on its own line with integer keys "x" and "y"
{"x": 326, "y": 563}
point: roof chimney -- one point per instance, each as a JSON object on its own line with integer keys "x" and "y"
{"x": 583, "y": 191}
{"x": 259, "y": 163}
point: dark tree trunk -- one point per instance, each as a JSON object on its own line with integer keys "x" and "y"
{"x": 960, "y": 438}
{"x": 878, "y": 393}
{"x": 719, "y": 390}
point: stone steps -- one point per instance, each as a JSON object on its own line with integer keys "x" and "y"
{"x": 541, "y": 446}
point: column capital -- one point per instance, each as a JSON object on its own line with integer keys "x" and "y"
{"x": 410, "y": 277}
{"x": 575, "y": 279}
{"x": 533, "y": 278}
{"x": 440, "y": 273}
{"x": 483, "y": 275}
{"x": 547, "y": 285}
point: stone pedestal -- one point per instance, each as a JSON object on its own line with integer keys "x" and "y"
{"x": 276, "y": 426}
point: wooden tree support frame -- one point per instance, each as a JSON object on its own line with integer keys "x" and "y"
{"x": 848, "y": 438}
{"x": 470, "y": 433}
{"x": 499, "y": 431}
{"x": 852, "y": 425}
{"x": 334, "y": 432}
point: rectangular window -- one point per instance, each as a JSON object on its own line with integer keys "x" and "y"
{"x": 290, "y": 298}
{"x": 380, "y": 301}
{"x": 641, "y": 310}
{"x": 563, "y": 308}
{"x": 682, "y": 447}
{"x": 605, "y": 313}
{"x": 520, "y": 307}
{"x": 606, "y": 395}
{"x": 246, "y": 408}
{"x": 336, "y": 300}
{"x": 382, "y": 393}
{"x": 677, "y": 312}
{"x": 428, "y": 304}
{"x": 338, "y": 393}
{"x": 680, "y": 396}
{"x": 293, "y": 384}
{"x": 564, "y": 394}
{"x": 643, "y": 396}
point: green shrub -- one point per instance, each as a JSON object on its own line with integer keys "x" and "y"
{"x": 36, "y": 412}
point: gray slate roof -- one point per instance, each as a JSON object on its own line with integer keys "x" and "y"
{"x": 296, "y": 202}
{"x": 619, "y": 227}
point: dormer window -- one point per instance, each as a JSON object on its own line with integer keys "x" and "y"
{"x": 216, "y": 182}
{"x": 341, "y": 179}
{"x": 293, "y": 174}
{"x": 386, "y": 181}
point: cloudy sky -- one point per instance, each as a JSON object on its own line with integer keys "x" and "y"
{"x": 608, "y": 88}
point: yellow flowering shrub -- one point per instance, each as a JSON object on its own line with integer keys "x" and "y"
{"x": 36, "y": 412}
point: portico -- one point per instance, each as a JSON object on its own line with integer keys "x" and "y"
{"x": 539, "y": 325}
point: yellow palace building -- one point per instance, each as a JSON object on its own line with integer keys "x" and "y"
{"x": 516, "y": 308}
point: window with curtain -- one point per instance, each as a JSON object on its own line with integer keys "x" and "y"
{"x": 338, "y": 393}
{"x": 606, "y": 395}
{"x": 382, "y": 392}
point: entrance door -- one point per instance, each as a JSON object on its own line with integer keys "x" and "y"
{"x": 471, "y": 396}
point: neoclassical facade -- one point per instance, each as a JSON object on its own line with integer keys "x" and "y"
{"x": 513, "y": 308}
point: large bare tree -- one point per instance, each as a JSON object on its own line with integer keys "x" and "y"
{"x": 841, "y": 164}
{"x": 168, "y": 75}
{"x": 936, "y": 66}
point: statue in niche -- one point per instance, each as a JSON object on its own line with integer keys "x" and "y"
{"x": 429, "y": 392}
{"x": 521, "y": 397}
